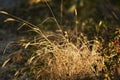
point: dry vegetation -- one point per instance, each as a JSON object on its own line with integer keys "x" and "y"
{"x": 52, "y": 56}
{"x": 59, "y": 54}
{"x": 59, "y": 60}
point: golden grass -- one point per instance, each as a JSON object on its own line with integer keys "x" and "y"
{"x": 53, "y": 56}
{"x": 63, "y": 61}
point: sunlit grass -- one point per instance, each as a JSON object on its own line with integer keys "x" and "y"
{"x": 52, "y": 56}
{"x": 62, "y": 54}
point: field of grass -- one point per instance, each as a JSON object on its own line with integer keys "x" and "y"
{"x": 70, "y": 45}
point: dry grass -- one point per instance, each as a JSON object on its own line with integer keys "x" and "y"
{"x": 53, "y": 56}
{"x": 61, "y": 60}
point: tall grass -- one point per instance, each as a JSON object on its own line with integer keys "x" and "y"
{"x": 53, "y": 56}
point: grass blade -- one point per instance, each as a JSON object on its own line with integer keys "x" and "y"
{"x": 3, "y": 12}
{"x": 5, "y": 62}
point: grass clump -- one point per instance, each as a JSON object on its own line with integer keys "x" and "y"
{"x": 52, "y": 56}
{"x": 64, "y": 55}
{"x": 62, "y": 60}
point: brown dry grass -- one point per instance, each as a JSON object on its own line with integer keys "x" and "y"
{"x": 63, "y": 61}
{"x": 53, "y": 56}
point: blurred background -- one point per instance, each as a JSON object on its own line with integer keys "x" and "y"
{"x": 90, "y": 14}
